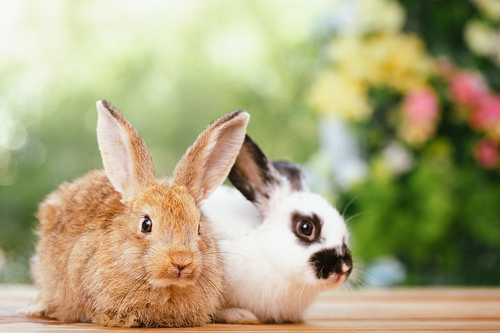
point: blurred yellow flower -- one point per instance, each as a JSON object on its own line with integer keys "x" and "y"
{"x": 394, "y": 60}
{"x": 349, "y": 56}
{"x": 494, "y": 132}
{"x": 480, "y": 38}
{"x": 490, "y": 8}
{"x": 339, "y": 95}
{"x": 378, "y": 16}
{"x": 416, "y": 133}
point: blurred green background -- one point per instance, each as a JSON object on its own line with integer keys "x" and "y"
{"x": 425, "y": 207}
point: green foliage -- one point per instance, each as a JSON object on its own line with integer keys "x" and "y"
{"x": 441, "y": 220}
{"x": 441, "y": 217}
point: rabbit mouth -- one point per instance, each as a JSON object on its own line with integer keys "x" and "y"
{"x": 179, "y": 281}
{"x": 335, "y": 280}
{"x": 175, "y": 274}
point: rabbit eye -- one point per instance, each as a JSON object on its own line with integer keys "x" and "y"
{"x": 305, "y": 228}
{"x": 147, "y": 225}
{"x": 199, "y": 228}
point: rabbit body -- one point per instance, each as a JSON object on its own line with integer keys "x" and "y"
{"x": 97, "y": 265}
{"x": 121, "y": 248}
{"x": 281, "y": 244}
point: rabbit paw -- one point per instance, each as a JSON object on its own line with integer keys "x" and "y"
{"x": 117, "y": 321}
{"x": 36, "y": 308}
{"x": 236, "y": 316}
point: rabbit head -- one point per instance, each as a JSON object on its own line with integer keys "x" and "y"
{"x": 164, "y": 216}
{"x": 306, "y": 225}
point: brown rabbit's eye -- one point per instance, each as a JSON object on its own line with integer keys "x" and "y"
{"x": 199, "y": 228}
{"x": 305, "y": 228}
{"x": 147, "y": 225}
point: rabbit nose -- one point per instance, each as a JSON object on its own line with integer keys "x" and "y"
{"x": 345, "y": 269}
{"x": 180, "y": 267}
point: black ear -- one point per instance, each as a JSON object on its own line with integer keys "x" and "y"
{"x": 293, "y": 173}
{"x": 252, "y": 173}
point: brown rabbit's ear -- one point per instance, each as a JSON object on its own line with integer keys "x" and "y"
{"x": 207, "y": 162}
{"x": 125, "y": 156}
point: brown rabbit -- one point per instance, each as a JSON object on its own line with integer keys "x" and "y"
{"x": 121, "y": 248}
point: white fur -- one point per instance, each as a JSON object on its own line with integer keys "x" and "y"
{"x": 267, "y": 269}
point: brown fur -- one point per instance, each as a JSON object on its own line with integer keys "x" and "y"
{"x": 93, "y": 263}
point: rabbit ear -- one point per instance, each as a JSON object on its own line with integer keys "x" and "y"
{"x": 207, "y": 162}
{"x": 253, "y": 174}
{"x": 125, "y": 156}
{"x": 294, "y": 175}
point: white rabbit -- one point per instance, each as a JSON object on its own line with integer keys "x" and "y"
{"x": 281, "y": 244}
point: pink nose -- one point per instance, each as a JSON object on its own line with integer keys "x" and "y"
{"x": 345, "y": 269}
{"x": 179, "y": 268}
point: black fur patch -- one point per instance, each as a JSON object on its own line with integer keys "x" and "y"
{"x": 292, "y": 172}
{"x": 240, "y": 181}
{"x": 262, "y": 162}
{"x": 259, "y": 166}
{"x": 329, "y": 261}
{"x": 315, "y": 237}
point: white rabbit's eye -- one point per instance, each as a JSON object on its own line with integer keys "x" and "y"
{"x": 147, "y": 225}
{"x": 305, "y": 228}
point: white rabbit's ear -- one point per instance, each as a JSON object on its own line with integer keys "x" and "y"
{"x": 254, "y": 175}
{"x": 207, "y": 162}
{"x": 125, "y": 156}
{"x": 294, "y": 175}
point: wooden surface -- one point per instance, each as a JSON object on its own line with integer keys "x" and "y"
{"x": 393, "y": 310}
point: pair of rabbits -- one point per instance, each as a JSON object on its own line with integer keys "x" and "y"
{"x": 118, "y": 247}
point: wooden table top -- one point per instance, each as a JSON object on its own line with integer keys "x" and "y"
{"x": 380, "y": 310}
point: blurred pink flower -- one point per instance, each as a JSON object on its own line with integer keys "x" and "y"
{"x": 421, "y": 110}
{"x": 486, "y": 154}
{"x": 486, "y": 114}
{"x": 421, "y": 106}
{"x": 467, "y": 88}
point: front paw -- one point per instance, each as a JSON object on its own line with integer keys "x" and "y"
{"x": 36, "y": 308}
{"x": 236, "y": 316}
{"x": 116, "y": 321}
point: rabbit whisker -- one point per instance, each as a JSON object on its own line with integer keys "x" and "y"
{"x": 205, "y": 279}
{"x": 214, "y": 272}
{"x": 349, "y": 204}
{"x": 210, "y": 283}
{"x": 203, "y": 289}
{"x": 129, "y": 289}
{"x": 354, "y": 216}
{"x": 216, "y": 288}
{"x": 141, "y": 284}
{"x": 222, "y": 252}
{"x": 223, "y": 278}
